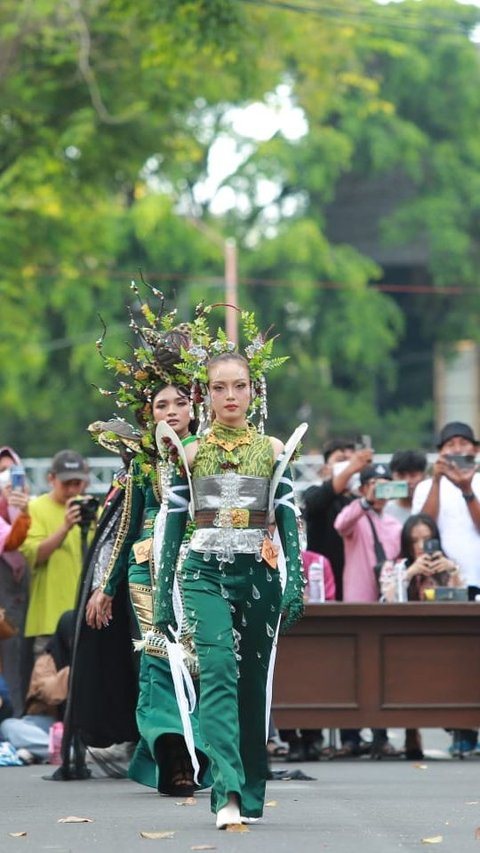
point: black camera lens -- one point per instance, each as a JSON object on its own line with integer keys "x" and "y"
{"x": 88, "y": 509}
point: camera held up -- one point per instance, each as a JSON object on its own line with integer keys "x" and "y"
{"x": 88, "y": 509}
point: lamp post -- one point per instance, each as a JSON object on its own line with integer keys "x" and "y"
{"x": 230, "y": 257}
{"x": 231, "y": 290}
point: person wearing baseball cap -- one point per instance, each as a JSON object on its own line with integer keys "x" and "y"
{"x": 68, "y": 466}
{"x": 451, "y": 496}
{"x": 460, "y": 431}
{"x": 53, "y": 547}
{"x": 370, "y": 537}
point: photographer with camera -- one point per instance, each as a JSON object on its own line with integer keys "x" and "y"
{"x": 53, "y": 547}
{"x": 452, "y": 497}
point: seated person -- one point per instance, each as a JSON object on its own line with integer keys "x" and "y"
{"x": 47, "y": 692}
{"x": 409, "y": 577}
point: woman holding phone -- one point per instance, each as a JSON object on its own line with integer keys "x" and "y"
{"x": 422, "y": 567}
{"x": 14, "y": 580}
{"x": 422, "y": 564}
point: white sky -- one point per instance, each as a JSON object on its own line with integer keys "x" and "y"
{"x": 258, "y": 122}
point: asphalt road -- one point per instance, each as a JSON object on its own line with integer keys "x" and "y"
{"x": 352, "y": 806}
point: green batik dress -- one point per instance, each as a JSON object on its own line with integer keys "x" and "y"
{"x": 233, "y": 599}
{"x": 157, "y": 711}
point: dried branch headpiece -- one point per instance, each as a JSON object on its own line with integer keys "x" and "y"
{"x": 154, "y": 363}
{"x": 154, "y": 358}
{"x": 116, "y": 434}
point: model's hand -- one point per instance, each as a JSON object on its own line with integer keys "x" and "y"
{"x": 98, "y": 612}
{"x": 164, "y": 618}
{"x": 293, "y": 608}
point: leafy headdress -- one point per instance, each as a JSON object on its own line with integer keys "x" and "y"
{"x": 116, "y": 435}
{"x": 154, "y": 362}
{"x": 204, "y": 346}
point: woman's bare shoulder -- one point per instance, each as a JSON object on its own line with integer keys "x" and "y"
{"x": 277, "y": 445}
{"x": 191, "y": 451}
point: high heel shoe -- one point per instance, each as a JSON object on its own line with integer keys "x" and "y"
{"x": 229, "y": 814}
{"x": 177, "y": 773}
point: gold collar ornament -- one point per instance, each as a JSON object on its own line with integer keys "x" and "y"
{"x": 228, "y": 440}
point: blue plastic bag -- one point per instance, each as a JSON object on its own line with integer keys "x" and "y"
{"x": 8, "y": 755}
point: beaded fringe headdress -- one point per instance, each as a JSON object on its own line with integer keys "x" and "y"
{"x": 203, "y": 347}
{"x": 178, "y": 354}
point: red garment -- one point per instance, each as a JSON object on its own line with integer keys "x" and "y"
{"x": 309, "y": 557}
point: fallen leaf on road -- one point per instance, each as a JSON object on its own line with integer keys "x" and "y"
{"x": 237, "y": 827}
{"x": 157, "y": 835}
{"x": 190, "y": 801}
{"x": 203, "y": 847}
{"x": 421, "y": 766}
{"x": 477, "y": 834}
{"x": 434, "y": 839}
{"x": 17, "y": 834}
{"x": 73, "y": 819}
{"x": 271, "y": 803}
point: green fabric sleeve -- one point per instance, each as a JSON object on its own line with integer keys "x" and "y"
{"x": 128, "y": 532}
{"x": 292, "y": 601}
{"x": 177, "y": 514}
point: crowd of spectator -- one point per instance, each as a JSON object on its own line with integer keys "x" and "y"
{"x": 368, "y": 546}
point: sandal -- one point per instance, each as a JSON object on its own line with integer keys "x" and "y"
{"x": 276, "y": 750}
{"x": 177, "y": 768}
{"x": 385, "y": 750}
{"x": 348, "y": 750}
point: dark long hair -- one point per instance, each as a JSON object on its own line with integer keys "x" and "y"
{"x": 140, "y": 415}
{"x": 406, "y": 549}
{"x": 60, "y": 643}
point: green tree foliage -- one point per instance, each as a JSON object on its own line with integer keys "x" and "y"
{"x": 109, "y": 113}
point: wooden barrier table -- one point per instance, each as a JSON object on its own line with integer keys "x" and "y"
{"x": 379, "y": 665}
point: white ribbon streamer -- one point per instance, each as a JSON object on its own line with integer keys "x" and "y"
{"x": 282, "y": 569}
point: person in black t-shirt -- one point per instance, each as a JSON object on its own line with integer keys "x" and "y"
{"x": 323, "y": 503}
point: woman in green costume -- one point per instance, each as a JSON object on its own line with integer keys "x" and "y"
{"x": 161, "y": 759}
{"x": 151, "y": 386}
{"x": 231, "y": 586}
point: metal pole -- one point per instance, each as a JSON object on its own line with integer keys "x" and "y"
{"x": 231, "y": 289}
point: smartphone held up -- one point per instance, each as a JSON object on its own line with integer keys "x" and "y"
{"x": 460, "y": 460}
{"x": 391, "y": 490}
{"x": 17, "y": 478}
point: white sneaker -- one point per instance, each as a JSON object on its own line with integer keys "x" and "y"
{"x": 249, "y": 819}
{"x": 115, "y": 752}
{"x": 25, "y": 756}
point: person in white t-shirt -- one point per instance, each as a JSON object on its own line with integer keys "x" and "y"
{"x": 452, "y": 497}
